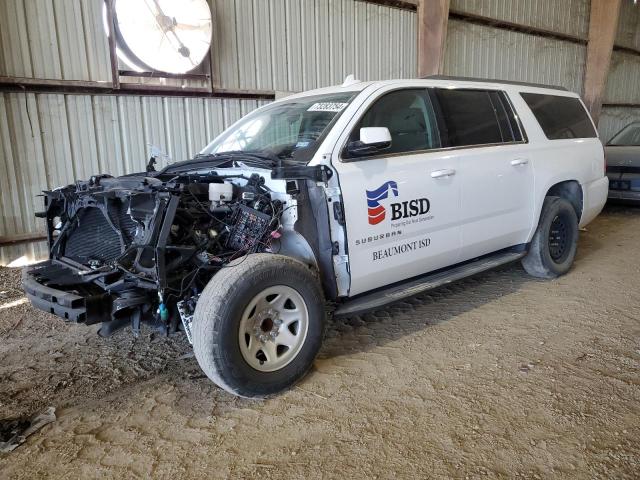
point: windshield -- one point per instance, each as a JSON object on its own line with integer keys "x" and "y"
{"x": 628, "y": 136}
{"x": 289, "y": 129}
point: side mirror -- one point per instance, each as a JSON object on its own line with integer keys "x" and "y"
{"x": 372, "y": 140}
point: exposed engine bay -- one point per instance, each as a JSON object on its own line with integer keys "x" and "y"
{"x": 141, "y": 248}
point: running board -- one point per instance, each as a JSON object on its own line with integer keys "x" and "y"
{"x": 379, "y": 298}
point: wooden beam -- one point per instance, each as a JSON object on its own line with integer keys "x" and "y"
{"x": 22, "y": 238}
{"x": 603, "y": 25}
{"x": 404, "y": 4}
{"x": 433, "y": 16}
{"x": 79, "y": 87}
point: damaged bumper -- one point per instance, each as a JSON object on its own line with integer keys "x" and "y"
{"x": 75, "y": 295}
{"x": 67, "y": 305}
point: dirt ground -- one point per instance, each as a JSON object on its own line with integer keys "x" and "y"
{"x": 500, "y": 375}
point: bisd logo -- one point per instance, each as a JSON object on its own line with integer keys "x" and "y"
{"x": 376, "y": 211}
{"x": 399, "y": 210}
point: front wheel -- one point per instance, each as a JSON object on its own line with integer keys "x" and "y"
{"x": 555, "y": 242}
{"x": 259, "y": 325}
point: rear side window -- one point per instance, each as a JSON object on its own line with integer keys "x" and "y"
{"x": 476, "y": 117}
{"x": 560, "y": 117}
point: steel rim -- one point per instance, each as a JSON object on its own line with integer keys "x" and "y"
{"x": 559, "y": 238}
{"x": 273, "y": 328}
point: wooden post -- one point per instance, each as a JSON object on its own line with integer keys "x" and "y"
{"x": 603, "y": 26}
{"x": 433, "y": 16}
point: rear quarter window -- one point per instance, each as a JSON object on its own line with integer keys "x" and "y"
{"x": 560, "y": 117}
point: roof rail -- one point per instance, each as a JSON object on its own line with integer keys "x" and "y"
{"x": 493, "y": 80}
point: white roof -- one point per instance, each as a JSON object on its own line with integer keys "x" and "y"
{"x": 442, "y": 82}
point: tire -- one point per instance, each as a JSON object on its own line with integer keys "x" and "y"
{"x": 251, "y": 301}
{"x": 555, "y": 241}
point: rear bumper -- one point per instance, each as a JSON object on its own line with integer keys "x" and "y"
{"x": 67, "y": 305}
{"x": 594, "y": 197}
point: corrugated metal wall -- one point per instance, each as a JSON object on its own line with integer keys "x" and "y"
{"x": 489, "y": 52}
{"x": 563, "y": 16}
{"x": 53, "y": 39}
{"x": 295, "y": 45}
{"x": 486, "y": 51}
{"x": 49, "y": 140}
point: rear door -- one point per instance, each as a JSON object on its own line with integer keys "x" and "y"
{"x": 402, "y": 204}
{"x": 495, "y": 169}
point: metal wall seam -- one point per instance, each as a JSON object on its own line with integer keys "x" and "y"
{"x": 155, "y": 133}
{"x": 263, "y": 60}
{"x": 131, "y": 133}
{"x": 278, "y": 58}
{"x": 108, "y": 134}
{"x": 322, "y": 28}
{"x": 29, "y": 167}
{"x": 214, "y": 118}
{"x": 196, "y": 128}
{"x": 175, "y": 126}
{"x": 335, "y": 38}
{"x": 72, "y": 45}
{"x": 570, "y": 17}
{"x": 97, "y": 43}
{"x": 244, "y": 29}
{"x": 360, "y": 64}
{"x": 294, "y": 48}
{"x": 10, "y": 213}
{"x": 82, "y": 136}
{"x": 307, "y": 39}
{"x": 56, "y": 144}
{"x": 15, "y": 59}
{"x": 43, "y": 40}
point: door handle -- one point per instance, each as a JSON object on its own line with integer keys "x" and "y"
{"x": 519, "y": 161}
{"x": 447, "y": 172}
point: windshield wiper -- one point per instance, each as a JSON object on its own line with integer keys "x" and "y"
{"x": 269, "y": 157}
{"x": 253, "y": 159}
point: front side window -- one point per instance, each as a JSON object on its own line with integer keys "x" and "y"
{"x": 290, "y": 129}
{"x": 409, "y": 117}
{"x": 476, "y": 117}
{"x": 629, "y": 136}
{"x": 560, "y": 117}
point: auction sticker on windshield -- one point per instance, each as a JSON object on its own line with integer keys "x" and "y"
{"x": 327, "y": 107}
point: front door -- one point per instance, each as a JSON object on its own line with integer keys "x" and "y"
{"x": 402, "y": 204}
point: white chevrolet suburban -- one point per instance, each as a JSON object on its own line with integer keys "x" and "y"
{"x": 352, "y": 196}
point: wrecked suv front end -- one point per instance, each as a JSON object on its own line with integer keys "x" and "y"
{"x": 140, "y": 248}
{"x": 234, "y": 246}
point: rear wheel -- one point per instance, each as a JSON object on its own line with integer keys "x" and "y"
{"x": 554, "y": 244}
{"x": 259, "y": 325}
